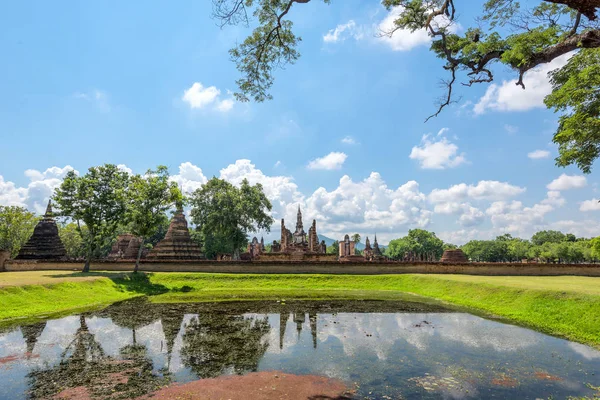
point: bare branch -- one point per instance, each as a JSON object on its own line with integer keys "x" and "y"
{"x": 230, "y": 12}
{"x": 448, "y": 99}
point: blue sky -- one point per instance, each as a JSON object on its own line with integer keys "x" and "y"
{"x": 145, "y": 83}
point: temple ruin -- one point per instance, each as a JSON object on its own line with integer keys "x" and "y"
{"x": 177, "y": 244}
{"x": 298, "y": 246}
{"x": 44, "y": 243}
{"x": 256, "y": 248}
{"x": 125, "y": 247}
{"x": 372, "y": 253}
{"x": 454, "y": 256}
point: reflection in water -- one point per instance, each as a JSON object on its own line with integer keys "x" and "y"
{"x": 216, "y": 344}
{"x": 387, "y": 348}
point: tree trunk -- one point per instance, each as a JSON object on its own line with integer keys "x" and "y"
{"x": 86, "y": 267}
{"x": 236, "y": 254}
{"x": 139, "y": 255}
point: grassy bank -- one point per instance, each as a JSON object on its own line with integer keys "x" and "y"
{"x": 562, "y": 306}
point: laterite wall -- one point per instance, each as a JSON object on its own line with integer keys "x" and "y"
{"x": 323, "y": 267}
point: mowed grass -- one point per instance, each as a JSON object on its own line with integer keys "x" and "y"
{"x": 563, "y": 306}
{"x": 23, "y": 302}
{"x": 42, "y": 278}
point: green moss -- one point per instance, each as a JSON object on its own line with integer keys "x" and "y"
{"x": 537, "y": 302}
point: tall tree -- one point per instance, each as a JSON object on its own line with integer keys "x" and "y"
{"x": 356, "y": 239}
{"x": 542, "y": 237}
{"x": 149, "y": 197}
{"x": 98, "y": 200}
{"x": 223, "y": 210}
{"x": 69, "y": 235}
{"x": 16, "y": 226}
{"x": 425, "y": 242}
{"x": 576, "y": 94}
{"x": 520, "y": 38}
{"x": 397, "y": 248}
{"x": 334, "y": 248}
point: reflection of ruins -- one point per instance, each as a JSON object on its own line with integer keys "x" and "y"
{"x": 215, "y": 343}
{"x": 299, "y": 318}
{"x": 84, "y": 367}
{"x": 156, "y": 342}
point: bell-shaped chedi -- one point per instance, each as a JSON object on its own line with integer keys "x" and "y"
{"x": 177, "y": 244}
{"x": 44, "y": 244}
{"x": 454, "y": 256}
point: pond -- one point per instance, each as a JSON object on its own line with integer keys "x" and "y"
{"x": 377, "y": 350}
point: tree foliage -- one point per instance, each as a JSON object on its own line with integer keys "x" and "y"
{"x": 334, "y": 248}
{"x": 520, "y": 38}
{"x": 16, "y": 226}
{"x": 71, "y": 239}
{"x": 544, "y": 246}
{"x": 149, "y": 197}
{"x": 97, "y": 200}
{"x": 418, "y": 242}
{"x": 576, "y": 94}
{"x": 225, "y": 212}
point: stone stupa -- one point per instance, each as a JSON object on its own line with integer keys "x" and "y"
{"x": 454, "y": 256}
{"x": 44, "y": 244}
{"x": 177, "y": 244}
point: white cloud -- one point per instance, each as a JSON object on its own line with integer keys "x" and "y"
{"x": 349, "y": 140}
{"x": 442, "y": 131}
{"x": 511, "y": 128}
{"x": 225, "y": 105}
{"x": 510, "y": 97}
{"x": 523, "y": 221}
{"x": 36, "y": 194}
{"x": 468, "y": 215}
{"x": 484, "y": 190}
{"x": 342, "y": 32}
{"x": 365, "y": 206}
{"x": 333, "y": 160}
{"x": 368, "y": 206}
{"x": 125, "y": 168}
{"x": 537, "y": 154}
{"x": 277, "y": 164}
{"x": 190, "y": 177}
{"x": 198, "y": 97}
{"x": 404, "y": 39}
{"x": 437, "y": 153}
{"x": 590, "y": 205}
{"x": 282, "y": 191}
{"x": 566, "y": 182}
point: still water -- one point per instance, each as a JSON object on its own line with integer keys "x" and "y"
{"x": 382, "y": 350}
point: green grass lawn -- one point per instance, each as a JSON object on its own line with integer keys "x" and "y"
{"x": 563, "y": 306}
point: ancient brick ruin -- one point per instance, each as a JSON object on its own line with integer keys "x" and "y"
{"x": 454, "y": 256}
{"x": 126, "y": 247}
{"x": 177, "y": 244}
{"x": 372, "y": 253}
{"x": 256, "y": 248}
{"x": 298, "y": 246}
{"x": 44, "y": 243}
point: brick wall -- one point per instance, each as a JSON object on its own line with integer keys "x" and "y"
{"x": 318, "y": 267}
{"x": 4, "y": 256}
